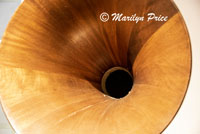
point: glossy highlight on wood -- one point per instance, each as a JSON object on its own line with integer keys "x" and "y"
{"x": 54, "y": 53}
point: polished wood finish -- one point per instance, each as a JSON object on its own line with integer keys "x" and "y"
{"x": 55, "y": 52}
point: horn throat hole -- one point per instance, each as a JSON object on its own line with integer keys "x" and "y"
{"x": 117, "y": 82}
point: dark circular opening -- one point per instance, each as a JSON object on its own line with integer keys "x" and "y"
{"x": 117, "y": 83}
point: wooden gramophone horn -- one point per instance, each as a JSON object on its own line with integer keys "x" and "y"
{"x": 55, "y": 53}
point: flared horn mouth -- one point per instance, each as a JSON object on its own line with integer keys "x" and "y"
{"x": 85, "y": 66}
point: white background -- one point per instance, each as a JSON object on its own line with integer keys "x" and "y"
{"x": 187, "y": 120}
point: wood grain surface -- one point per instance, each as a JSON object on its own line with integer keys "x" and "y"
{"x": 55, "y": 52}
